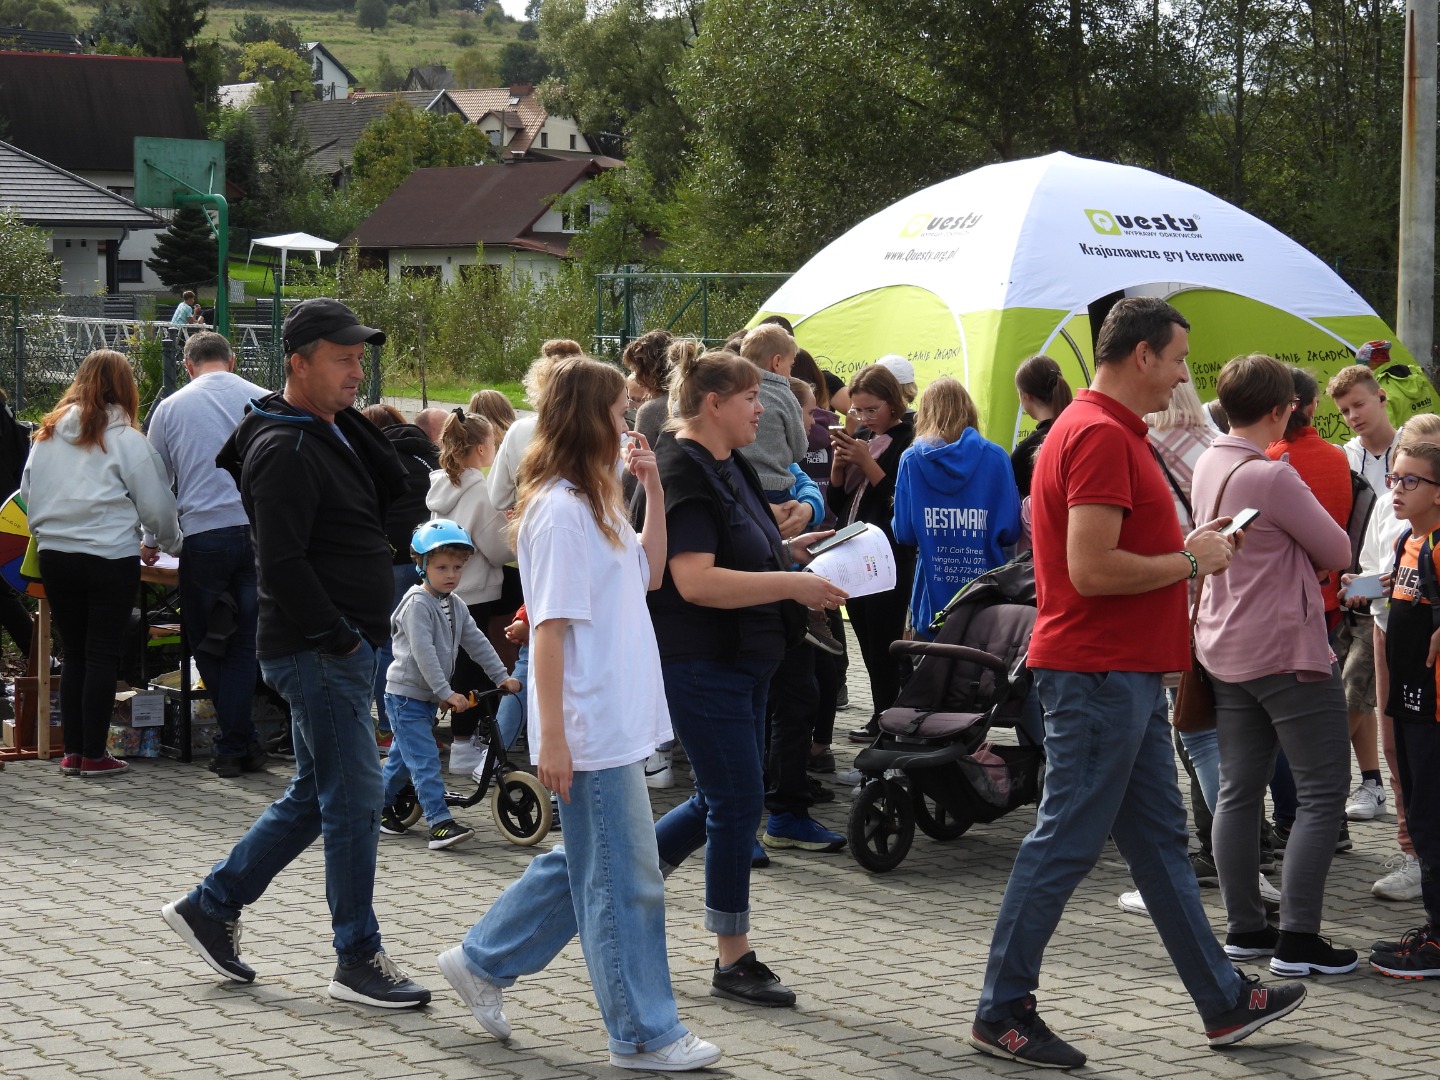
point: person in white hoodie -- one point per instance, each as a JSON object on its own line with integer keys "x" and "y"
{"x": 91, "y": 483}
{"x": 458, "y": 491}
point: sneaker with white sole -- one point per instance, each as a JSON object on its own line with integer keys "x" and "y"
{"x": 464, "y": 756}
{"x": 217, "y": 941}
{"x": 483, "y": 998}
{"x": 659, "y": 769}
{"x": 447, "y": 834}
{"x": 685, "y": 1054}
{"x": 1368, "y": 802}
{"x": 478, "y": 772}
{"x": 1310, "y": 954}
{"x": 1403, "y": 881}
{"x": 1133, "y": 902}
{"x": 1252, "y": 944}
{"x": 377, "y": 981}
{"x": 1269, "y": 895}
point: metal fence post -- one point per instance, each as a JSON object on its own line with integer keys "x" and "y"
{"x": 374, "y": 395}
{"x": 19, "y": 367}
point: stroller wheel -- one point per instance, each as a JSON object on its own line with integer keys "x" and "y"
{"x": 521, "y": 806}
{"x": 407, "y": 806}
{"x": 935, "y": 819}
{"x": 882, "y": 825}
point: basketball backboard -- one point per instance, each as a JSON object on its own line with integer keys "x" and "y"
{"x": 165, "y": 168}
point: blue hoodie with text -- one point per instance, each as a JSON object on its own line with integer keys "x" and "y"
{"x": 958, "y": 504}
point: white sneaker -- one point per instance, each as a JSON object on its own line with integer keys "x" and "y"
{"x": 464, "y": 756}
{"x": 1368, "y": 802}
{"x": 485, "y": 999}
{"x": 1403, "y": 882}
{"x": 1268, "y": 892}
{"x": 684, "y": 1054}
{"x": 659, "y": 772}
{"x": 1133, "y": 902}
{"x": 477, "y": 772}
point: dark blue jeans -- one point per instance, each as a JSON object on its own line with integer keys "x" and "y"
{"x": 718, "y": 713}
{"x": 405, "y": 576}
{"x": 211, "y": 563}
{"x": 335, "y": 794}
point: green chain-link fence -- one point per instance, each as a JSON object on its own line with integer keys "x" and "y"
{"x": 710, "y": 307}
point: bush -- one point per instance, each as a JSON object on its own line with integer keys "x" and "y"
{"x": 463, "y": 38}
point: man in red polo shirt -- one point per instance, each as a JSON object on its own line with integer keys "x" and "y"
{"x": 1111, "y": 569}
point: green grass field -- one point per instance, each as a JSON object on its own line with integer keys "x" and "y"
{"x": 427, "y": 42}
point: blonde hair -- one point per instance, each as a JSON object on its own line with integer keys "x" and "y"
{"x": 575, "y": 440}
{"x": 694, "y": 377}
{"x": 1184, "y": 410}
{"x": 495, "y": 407}
{"x": 765, "y": 342}
{"x": 1426, "y": 451}
{"x": 1418, "y": 427}
{"x": 462, "y": 432}
{"x": 945, "y": 411}
{"x": 538, "y": 374}
{"x": 104, "y": 378}
{"x": 1348, "y": 378}
{"x": 799, "y": 387}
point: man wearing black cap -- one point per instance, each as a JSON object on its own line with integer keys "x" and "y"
{"x": 316, "y": 478}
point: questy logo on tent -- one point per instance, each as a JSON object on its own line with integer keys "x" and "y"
{"x": 927, "y": 225}
{"x": 1107, "y": 224}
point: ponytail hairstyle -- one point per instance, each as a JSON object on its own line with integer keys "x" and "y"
{"x": 694, "y": 377}
{"x": 646, "y": 358}
{"x": 575, "y": 440}
{"x": 104, "y": 378}
{"x": 462, "y": 432}
{"x": 1040, "y": 377}
{"x": 495, "y": 407}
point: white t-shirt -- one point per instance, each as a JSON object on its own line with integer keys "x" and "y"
{"x": 614, "y": 694}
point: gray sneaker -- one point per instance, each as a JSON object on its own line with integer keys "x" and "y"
{"x": 379, "y": 982}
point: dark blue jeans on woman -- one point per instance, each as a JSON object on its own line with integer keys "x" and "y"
{"x": 718, "y": 713}
{"x": 90, "y": 600}
{"x": 212, "y": 563}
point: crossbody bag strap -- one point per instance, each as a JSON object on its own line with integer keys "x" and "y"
{"x": 1214, "y": 509}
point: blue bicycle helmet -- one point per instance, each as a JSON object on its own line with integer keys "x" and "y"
{"x": 441, "y": 532}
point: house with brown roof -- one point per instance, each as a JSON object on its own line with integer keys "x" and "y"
{"x": 82, "y": 114}
{"x": 442, "y": 221}
{"x": 519, "y": 126}
{"x": 85, "y": 221}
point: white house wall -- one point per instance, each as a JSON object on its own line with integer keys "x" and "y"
{"x": 139, "y": 244}
{"x": 535, "y": 264}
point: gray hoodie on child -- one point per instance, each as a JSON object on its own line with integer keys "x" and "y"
{"x": 427, "y": 635}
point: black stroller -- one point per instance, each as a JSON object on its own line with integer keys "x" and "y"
{"x": 971, "y": 678}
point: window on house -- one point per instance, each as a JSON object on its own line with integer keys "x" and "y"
{"x": 575, "y": 220}
{"x": 572, "y": 142}
{"x": 544, "y": 139}
{"x": 419, "y": 271}
{"x": 484, "y": 278}
{"x": 130, "y": 271}
{"x": 124, "y": 192}
{"x": 494, "y": 136}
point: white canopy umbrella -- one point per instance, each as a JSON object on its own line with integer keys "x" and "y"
{"x": 288, "y": 242}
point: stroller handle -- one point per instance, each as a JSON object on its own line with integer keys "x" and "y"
{"x": 952, "y": 652}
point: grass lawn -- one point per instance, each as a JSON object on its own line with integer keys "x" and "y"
{"x": 427, "y": 42}
{"x": 439, "y": 390}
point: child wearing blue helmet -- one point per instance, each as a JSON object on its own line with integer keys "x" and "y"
{"x": 428, "y": 630}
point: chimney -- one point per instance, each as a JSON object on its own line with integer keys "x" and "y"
{"x": 523, "y": 89}
{"x": 294, "y": 97}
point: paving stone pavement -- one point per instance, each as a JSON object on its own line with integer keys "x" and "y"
{"x": 887, "y": 966}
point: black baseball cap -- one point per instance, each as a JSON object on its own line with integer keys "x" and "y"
{"x": 311, "y": 320}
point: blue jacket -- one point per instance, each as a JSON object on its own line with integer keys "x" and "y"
{"x": 958, "y": 504}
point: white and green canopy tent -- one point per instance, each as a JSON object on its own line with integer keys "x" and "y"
{"x": 971, "y": 276}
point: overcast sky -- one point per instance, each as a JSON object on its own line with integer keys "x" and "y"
{"x": 514, "y": 8}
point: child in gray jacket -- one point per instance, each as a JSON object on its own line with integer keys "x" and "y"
{"x": 428, "y": 630}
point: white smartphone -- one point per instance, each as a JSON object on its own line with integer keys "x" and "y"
{"x": 1241, "y": 521}
{"x": 1364, "y": 587}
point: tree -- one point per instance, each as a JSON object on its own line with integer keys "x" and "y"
{"x": 27, "y": 264}
{"x": 473, "y": 67}
{"x": 186, "y": 254}
{"x": 372, "y": 15}
{"x": 406, "y": 139}
{"x": 628, "y": 218}
{"x": 170, "y": 28}
{"x": 115, "y": 23}
{"x": 388, "y": 77}
{"x": 521, "y": 62}
{"x": 38, "y": 15}
{"x": 254, "y": 27}
{"x": 279, "y": 71}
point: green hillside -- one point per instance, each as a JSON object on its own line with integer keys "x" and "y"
{"x": 429, "y": 41}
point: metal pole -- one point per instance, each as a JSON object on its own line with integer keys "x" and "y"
{"x": 222, "y": 247}
{"x": 1415, "y": 295}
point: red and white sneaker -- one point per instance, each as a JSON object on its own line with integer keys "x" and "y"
{"x": 101, "y": 768}
{"x": 70, "y": 765}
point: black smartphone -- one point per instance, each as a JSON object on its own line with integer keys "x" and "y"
{"x": 855, "y": 528}
{"x": 1241, "y": 521}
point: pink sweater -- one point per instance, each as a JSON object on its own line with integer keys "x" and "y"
{"x": 1264, "y": 615}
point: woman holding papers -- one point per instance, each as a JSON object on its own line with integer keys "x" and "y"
{"x": 718, "y": 621}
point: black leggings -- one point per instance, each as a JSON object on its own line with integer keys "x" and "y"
{"x": 15, "y": 619}
{"x": 90, "y": 600}
{"x": 878, "y": 620}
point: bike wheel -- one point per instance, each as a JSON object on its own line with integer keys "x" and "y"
{"x": 936, "y": 820}
{"x": 521, "y": 807}
{"x": 881, "y": 826}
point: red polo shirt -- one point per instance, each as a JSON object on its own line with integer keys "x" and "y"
{"x": 1097, "y": 454}
{"x": 1326, "y": 471}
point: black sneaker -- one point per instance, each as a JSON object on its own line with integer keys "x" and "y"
{"x": 867, "y": 734}
{"x": 255, "y": 758}
{"x": 447, "y": 834}
{"x": 377, "y": 982}
{"x": 227, "y": 767}
{"x": 1252, "y": 943}
{"x": 1024, "y": 1038}
{"x": 820, "y": 792}
{"x": 217, "y": 941}
{"x": 1414, "y": 956}
{"x": 391, "y": 823}
{"x": 750, "y": 981}
{"x": 822, "y": 761}
{"x": 1310, "y": 954}
{"x": 817, "y": 633}
{"x": 1344, "y": 843}
{"x": 1279, "y": 837}
{"x": 1257, "y": 1006}
{"x": 1203, "y": 863}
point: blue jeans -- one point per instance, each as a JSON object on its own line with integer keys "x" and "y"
{"x": 211, "y": 563}
{"x": 605, "y": 880}
{"x": 1204, "y": 750}
{"x": 511, "y": 715}
{"x": 1110, "y": 771}
{"x": 335, "y": 794}
{"x": 718, "y": 713}
{"x": 405, "y": 576}
{"x": 414, "y": 757}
